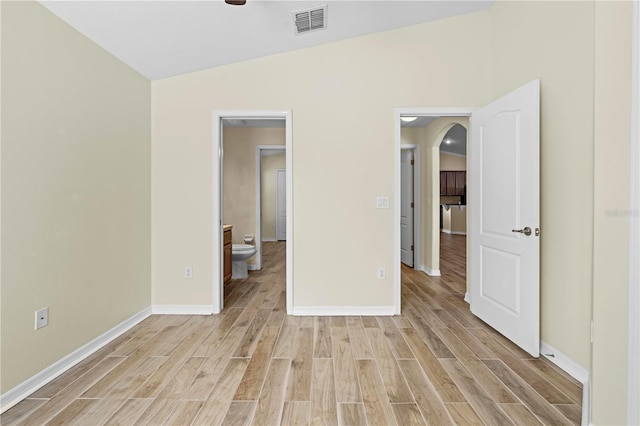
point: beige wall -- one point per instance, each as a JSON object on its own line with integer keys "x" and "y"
{"x": 75, "y": 190}
{"x": 611, "y": 196}
{"x": 270, "y": 164}
{"x": 320, "y": 86}
{"x": 239, "y": 169}
{"x": 450, "y": 162}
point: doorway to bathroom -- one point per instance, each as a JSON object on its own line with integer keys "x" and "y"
{"x": 247, "y": 228}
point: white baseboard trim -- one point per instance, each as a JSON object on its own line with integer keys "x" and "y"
{"x": 430, "y": 272}
{"x": 182, "y": 309}
{"x": 467, "y": 298}
{"x": 269, "y": 240}
{"x": 564, "y": 362}
{"x": 26, "y": 388}
{"x": 338, "y": 311}
{"x": 446, "y": 231}
{"x": 576, "y": 371}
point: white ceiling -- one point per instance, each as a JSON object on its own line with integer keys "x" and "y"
{"x": 161, "y": 39}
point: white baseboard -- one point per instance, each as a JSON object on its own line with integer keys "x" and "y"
{"x": 269, "y": 240}
{"x": 568, "y": 365}
{"x": 430, "y": 272}
{"x": 26, "y": 388}
{"x": 467, "y": 298}
{"x": 182, "y": 309}
{"x": 446, "y": 231}
{"x": 576, "y": 371}
{"x": 338, "y": 311}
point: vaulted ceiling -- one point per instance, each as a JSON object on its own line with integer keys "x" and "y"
{"x": 161, "y": 39}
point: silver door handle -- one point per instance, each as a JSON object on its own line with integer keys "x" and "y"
{"x": 525, "y": 231}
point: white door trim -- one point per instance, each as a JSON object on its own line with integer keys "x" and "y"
{"x": 217, "y": 252}
{"x": 633, "y": 340}
{"x": 259, "y": 150}
{"x": 417, "y": 215}
{"x": 279, "y": 228}
{"x": 397, "y": 192}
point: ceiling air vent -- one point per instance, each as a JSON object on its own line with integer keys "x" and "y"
{"x": 310, "y": 20}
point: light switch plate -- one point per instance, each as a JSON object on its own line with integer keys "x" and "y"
{"x": 382, "y": 202}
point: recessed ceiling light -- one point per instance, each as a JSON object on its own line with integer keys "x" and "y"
{"x": 448, "y": 141}
{"x": 408, "y": 119}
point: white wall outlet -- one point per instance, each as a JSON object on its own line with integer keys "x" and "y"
{"x": 382, "y": 273}
{"x": 42, "y": 318}
{"x": 188, "y": 272}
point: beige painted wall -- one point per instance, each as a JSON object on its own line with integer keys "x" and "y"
{"x": 450, "y": 162}
{"x": 319, "y": 85}
{"x": 270, "y": 164}
{"x": 75, "y": 190}
{"x": 611, "y": 204}
{"x": 239, "y": 169}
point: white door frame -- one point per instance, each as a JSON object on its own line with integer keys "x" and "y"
{"x": 417, "y": 215}
{"x": 278, "y": 228}
{"x": 633, "y": 339}
{"x": 217, "y": 211}
{"x": 397, "y": 192}
{"x": 259, "y": 150}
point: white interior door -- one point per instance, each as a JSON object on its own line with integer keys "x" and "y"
{"x": 281, "y": 205}
{"x": 504, "y": 189}
{"x": 406, "y": 207}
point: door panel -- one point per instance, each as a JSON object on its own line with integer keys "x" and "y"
{"x": 504, "y": 197}
{"x": 281, "y": 205}
{"x": 406, "y": 207}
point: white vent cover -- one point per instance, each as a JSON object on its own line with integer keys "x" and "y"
{"x": 310, "y": 20}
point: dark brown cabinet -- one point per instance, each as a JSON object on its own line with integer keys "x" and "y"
{"x": 452, "y": 182}
{"x": 227, "y": 254}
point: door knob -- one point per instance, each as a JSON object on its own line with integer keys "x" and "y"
{"x": 525, "y": 231}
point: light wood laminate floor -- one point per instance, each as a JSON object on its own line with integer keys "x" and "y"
{"x": 434, "y": 364}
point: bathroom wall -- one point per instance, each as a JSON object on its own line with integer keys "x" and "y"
{"x": 240, "y": 176}
{"x": 270, "y": 164}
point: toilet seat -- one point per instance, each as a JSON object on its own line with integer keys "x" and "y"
{"x": 240, "y": 248}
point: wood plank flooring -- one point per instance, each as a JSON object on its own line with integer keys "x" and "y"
{"x": 434, "y": 364}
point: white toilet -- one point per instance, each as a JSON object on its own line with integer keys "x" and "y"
{"x": 239, "y": 255}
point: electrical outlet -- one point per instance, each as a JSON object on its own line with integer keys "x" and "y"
{"x": 382, "y": 273}
{"x": 42, "y": 318}
{"x": 188, "y": 272}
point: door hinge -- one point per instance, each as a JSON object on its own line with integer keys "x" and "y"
{"x": 412, "y": 162}
{"x": 411, "y": 248}
{"x": 412, "y": 204}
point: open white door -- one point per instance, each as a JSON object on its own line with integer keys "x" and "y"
{"x": 504, "y": 189}
{"x": 406, "y": 207}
